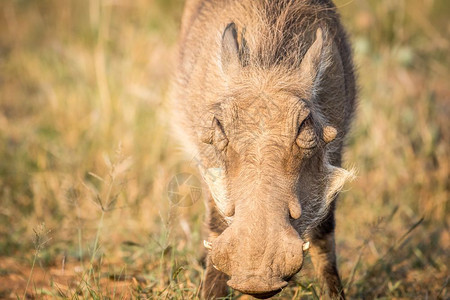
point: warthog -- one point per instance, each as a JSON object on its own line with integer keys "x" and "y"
{"x": 263, "y": 97}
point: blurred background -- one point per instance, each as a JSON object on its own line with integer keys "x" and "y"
{"x": 86, "y": 157}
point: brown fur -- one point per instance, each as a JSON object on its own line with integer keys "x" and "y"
{"x": 264, "y": 95}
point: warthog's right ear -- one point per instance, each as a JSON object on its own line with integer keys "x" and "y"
{"x": 230, "y": 50}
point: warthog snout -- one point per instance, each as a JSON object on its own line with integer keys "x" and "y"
{"x": 260, "y": 260}
{"x": 257, "y": 286}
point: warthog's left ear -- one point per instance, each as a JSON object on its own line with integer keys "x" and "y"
{"x": 230, "y": 57}
{"x": 318, "y": 60}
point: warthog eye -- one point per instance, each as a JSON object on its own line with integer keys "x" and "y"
{"x": 215, "y": 135}
{"x": 220, "y": 139}
{"x": 306, "y": 138}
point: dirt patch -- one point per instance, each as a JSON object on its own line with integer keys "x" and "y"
{"x": 63, "y": 281}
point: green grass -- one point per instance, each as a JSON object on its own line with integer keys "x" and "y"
{"x": 85, "y": 149}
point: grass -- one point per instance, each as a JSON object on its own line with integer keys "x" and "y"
{"x": 84, "y": 149}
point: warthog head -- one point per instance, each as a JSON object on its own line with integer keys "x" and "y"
{"x": 273, "y": 180}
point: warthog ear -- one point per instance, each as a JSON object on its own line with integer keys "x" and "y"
{"x": 230, "y": 50}
{"x": 312, "y": 63}
{"x": 321, "y": 56}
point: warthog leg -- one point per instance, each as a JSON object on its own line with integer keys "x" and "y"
{"x": 215, "y": 282}
{"x": 323, "y": 256}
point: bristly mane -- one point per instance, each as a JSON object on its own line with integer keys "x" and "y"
{"x": 285, "y": 30}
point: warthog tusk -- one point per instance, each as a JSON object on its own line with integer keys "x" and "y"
{"x": 208, "y": 245}
{"x": 214, "y": 266}
{"x": 305, "y": 246}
